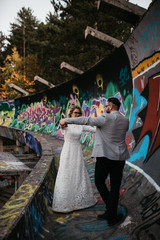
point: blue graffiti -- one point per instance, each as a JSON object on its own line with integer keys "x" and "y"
{"x": 33, "y": 143}
{"x": 26, "y": 139}
{"x": 97, "y": 225}
{"x": 37, "y": 219}
{"x": 141, "y": 101}
{"x": 120, "y": 237}
{"x": 150, "y": 34}
{"x": 124, "y": 76}
{"x": 142, "y": 152}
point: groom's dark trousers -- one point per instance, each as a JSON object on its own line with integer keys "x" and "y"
{"x": 114, "y": 168}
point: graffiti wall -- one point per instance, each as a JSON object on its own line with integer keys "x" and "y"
{"x": 143, "y": 49}
{"x": 42, "y": 112}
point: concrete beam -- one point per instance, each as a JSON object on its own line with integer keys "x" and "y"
{"x": 71, "y": 68}
{"x": 12, "y": 85}
{"x": 104, "y": 37}
{"x": 37, "y": 78}
{"x": 121, "y": 9}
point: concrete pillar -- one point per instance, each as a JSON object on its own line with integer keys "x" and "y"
{"x": 19, "y": 147}
{"x": 26, "y": 149}
{"x": 1, "y": 144}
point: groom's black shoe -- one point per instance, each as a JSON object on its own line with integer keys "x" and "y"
{"x": 102, "y": 216}
{"x": 116, "y": 220}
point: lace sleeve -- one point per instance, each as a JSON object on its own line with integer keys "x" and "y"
{"x": 62, "y": 130}
{"x": 89, "y": 128}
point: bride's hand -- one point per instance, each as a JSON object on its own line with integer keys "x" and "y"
{"x": 63, "y": 123}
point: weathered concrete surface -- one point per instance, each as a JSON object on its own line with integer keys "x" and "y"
{"x": 139, "y": 202}
{"x": 122, "y": 9}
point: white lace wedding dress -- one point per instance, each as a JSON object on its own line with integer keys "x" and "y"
{"x": 73, "y": 188}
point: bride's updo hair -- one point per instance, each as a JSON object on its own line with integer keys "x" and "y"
{"x": 73, "y": 108}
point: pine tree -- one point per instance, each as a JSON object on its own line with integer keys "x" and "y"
{"x": 24, "y": 32}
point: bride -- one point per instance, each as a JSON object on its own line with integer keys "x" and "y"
{"x": 73, "y": 190}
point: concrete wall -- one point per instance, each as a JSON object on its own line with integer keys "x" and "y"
{"x": 143, "y": 50}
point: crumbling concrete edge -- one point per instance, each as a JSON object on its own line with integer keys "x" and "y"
{"x": 14, "y": 214}
{"x": 140, "y": 170}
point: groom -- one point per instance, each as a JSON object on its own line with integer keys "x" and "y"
{"x": 111, "y": 152}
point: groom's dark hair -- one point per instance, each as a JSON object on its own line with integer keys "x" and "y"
{"x": 115, "y": 101}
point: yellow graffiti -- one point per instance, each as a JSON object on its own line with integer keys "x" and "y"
{"x": 76, "y": 90}
{"x": 47, "y": 206}
{"x": 7, "y": 122}
{"x": 6, "y": 117}
{"x": 24, "y": 135}
{"x": 17, "y": 135}
{"x": 6, "y": 165}
{"x": 30, "y": 126}
{"x": 99, "y": 80}
{"x": 99, "y": 110}
{"x": 45, "y": 99}
{"x": 145, "y": 64}
{"x": 74, "y": 214}
{"x": 11, "y": 210}
{"x": 62, "y": 219}
{"x": 66, "y": 218}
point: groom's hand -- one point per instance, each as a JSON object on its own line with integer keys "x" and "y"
{"x": 63, "y": 123}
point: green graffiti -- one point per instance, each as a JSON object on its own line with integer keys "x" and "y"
{"x": 128, "y": 105}
{"x": 111, "y": 90}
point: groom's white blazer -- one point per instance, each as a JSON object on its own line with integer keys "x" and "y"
{"x": 110, "y": 134}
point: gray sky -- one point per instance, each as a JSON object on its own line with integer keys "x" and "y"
{"x": 40, "y": 8}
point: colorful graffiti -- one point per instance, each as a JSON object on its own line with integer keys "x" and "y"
{"x": 38, "y": 117}
{"x": 151, "y": 124}
{"x": 143, "y": 137}
{"x": 7, "y": 112}
{"x": 11, "y": 209}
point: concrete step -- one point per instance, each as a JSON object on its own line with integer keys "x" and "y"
{"x": 5, "y": 194}
{"x": 30, "y": 160}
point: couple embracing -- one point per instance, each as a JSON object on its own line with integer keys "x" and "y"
{"x": 73, "y": 190}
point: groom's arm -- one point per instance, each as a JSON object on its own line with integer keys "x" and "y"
{"x": 95, "y": 121}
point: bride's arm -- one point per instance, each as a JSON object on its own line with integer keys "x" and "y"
{"x": 89, "y": 128}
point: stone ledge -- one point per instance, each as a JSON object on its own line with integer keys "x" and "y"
{"x": 12, "y": 212}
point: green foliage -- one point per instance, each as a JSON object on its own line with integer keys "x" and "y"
{"x": 13, "y": 72}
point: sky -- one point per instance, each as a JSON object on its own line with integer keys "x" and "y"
{"x": 40, "y": 9}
